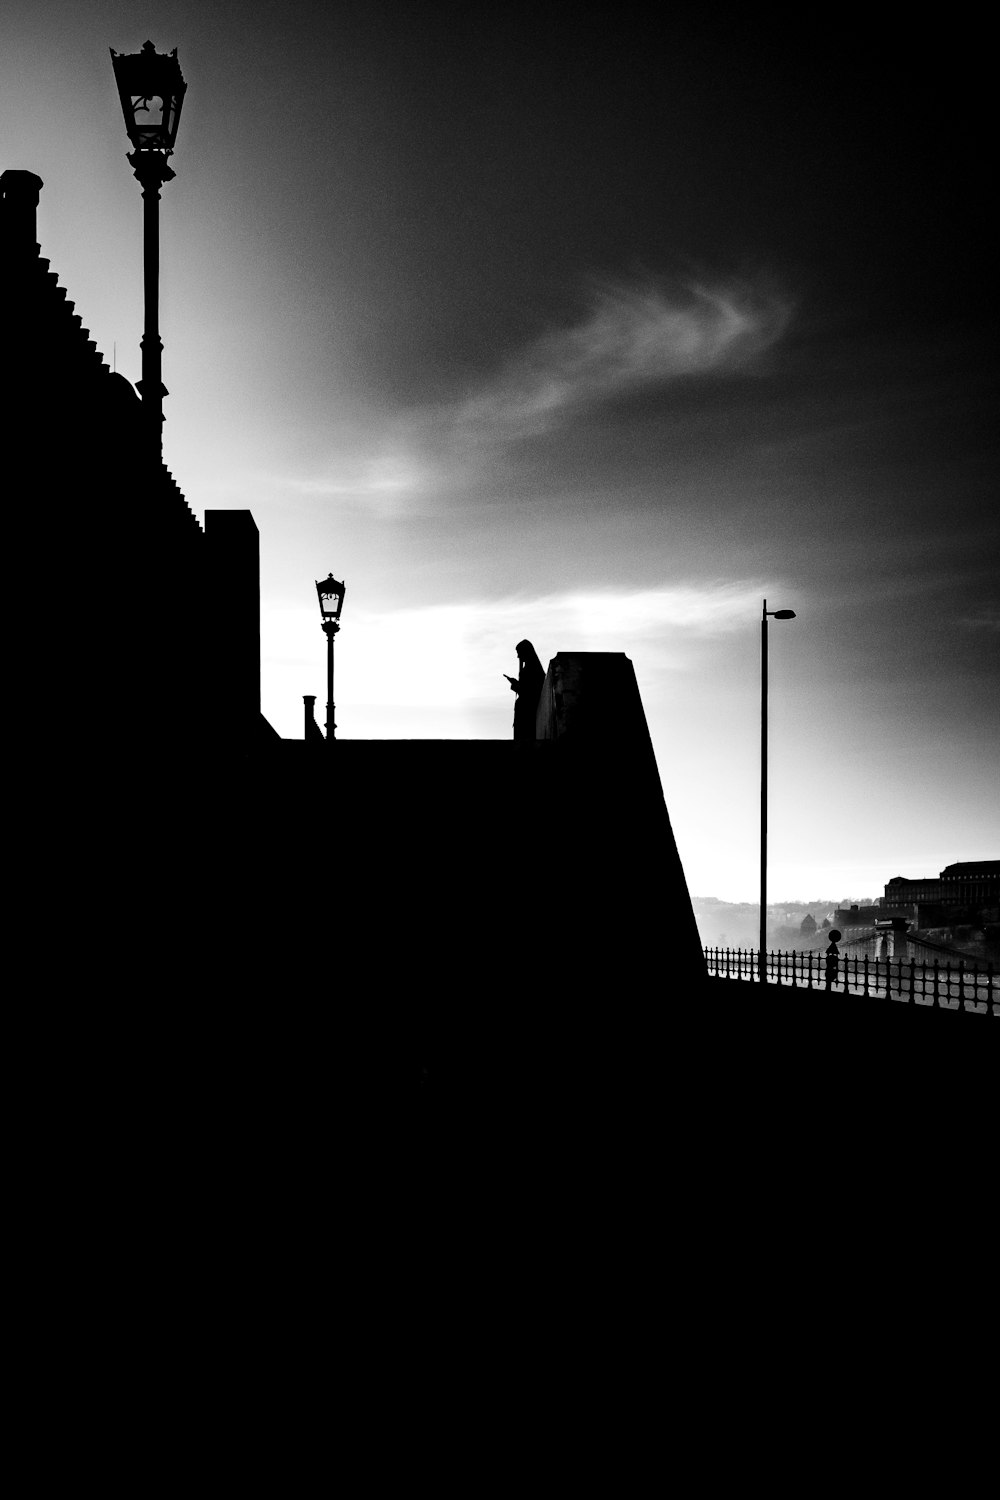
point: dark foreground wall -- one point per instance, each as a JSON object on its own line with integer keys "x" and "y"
{"x": 498, "y": 900}
{"x": 307, "y": 924}
{"x": 846, "y": 1039}
{"x": 486, "y": 898}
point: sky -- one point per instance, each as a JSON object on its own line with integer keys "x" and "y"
{"x": 595, "y": 326}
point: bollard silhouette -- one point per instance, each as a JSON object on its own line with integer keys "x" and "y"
{"x": 832, "y": 957}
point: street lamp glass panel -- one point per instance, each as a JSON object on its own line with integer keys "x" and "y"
{"x": 150, "y": 132}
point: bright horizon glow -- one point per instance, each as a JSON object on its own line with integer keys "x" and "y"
{"x": 437, "y": 672}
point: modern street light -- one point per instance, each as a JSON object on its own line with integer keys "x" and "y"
{"x": 151, "y": 88}
{"x": 777, "y": 614}
{"x": 331, "y": 602}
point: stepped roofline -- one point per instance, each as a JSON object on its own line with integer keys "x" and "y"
{"x": 52, "y": 317}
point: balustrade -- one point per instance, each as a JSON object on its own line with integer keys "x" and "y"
{"x": 949, "y": 986}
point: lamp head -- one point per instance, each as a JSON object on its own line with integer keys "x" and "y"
{"x": 151, "y": 88}
{"x": 331, "y": 598}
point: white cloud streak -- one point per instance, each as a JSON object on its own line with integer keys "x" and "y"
{"x": 394, "y": 482}
{"x": 632, "y": 336}
{"x": 451, "y": 656}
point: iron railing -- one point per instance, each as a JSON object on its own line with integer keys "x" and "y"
{"x": 958, "y": 985}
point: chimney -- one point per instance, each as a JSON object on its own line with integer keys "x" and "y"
{"x": 313, "y": 731}
{"x": 20, "y": 192}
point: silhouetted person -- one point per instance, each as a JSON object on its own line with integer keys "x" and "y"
{"x": 528, "y": 686}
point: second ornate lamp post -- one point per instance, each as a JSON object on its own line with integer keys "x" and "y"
{"x": 777, "y": 614}
{"x": 331, "y": 602}
{"x": 151, "y": 88}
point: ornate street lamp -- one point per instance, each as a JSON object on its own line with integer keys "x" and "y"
{"x": 777, "y": 614}
{"x": 151, "y": 88}
{"x": 331, "y": 602}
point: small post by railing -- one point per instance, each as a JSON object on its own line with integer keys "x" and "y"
{"x": 832, "y": 958}
{"x": 948, "y": 1002}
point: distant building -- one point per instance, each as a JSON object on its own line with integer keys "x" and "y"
{"x": 976, "y": 883}
{"x": 972, "y": 886}
{"x": 890, "y": 939}
{"x": 901, "y": 892}
{"x": 853, "y": 919}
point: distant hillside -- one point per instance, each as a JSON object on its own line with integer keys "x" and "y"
{"x": 730, "y": 924}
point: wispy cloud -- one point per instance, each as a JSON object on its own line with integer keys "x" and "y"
{"x": 631, "y": 336}
{"x": 987, "y": 618}
{"x": 614, "y": 619}
{"x": 393, "y": 481}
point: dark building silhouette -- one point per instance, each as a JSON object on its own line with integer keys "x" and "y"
{"x": 497, "y": 899}
{"x": 150, "y": 698}
{"x": 241, "y": 954}
{"x": 287, "y": 925}
{"x": 133, "y": 633}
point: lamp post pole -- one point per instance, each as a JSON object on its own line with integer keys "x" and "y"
{"x": 778, "y": 614}
{"x": 152, "y": 172}
{"x": 330, "y": 628}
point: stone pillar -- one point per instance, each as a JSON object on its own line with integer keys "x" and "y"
{"x": 233, "y": 612}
